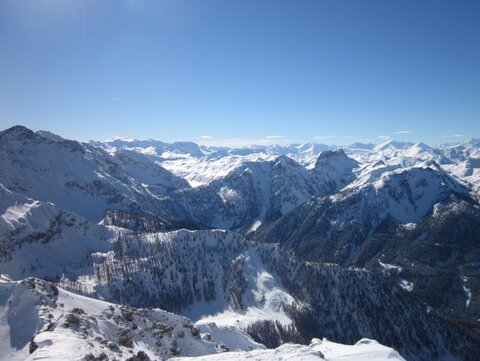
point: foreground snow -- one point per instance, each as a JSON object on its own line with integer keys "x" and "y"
{"x": 363, "y": 350}
{"x": 40, "y": 321}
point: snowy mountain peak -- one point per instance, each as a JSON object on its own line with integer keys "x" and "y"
{"x": 392, "y": 144}
{"x": 422, "y": 145}
{"x": 285, "y": 161}
{"x": 410, "y": 194}
{"x": 423, "y": 151}
{"x": 80, "y": 178}
{"x": 332, "y": 153}
{"x": 421, "y": 177}
{"x": 28, "y": 139}
{"x": 188, "y": 148}
{"x": 16, "y": 132}
{"x": 336, "y": 163}
{"x": 336, "y": 159}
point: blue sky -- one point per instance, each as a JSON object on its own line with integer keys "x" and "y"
{"x": 239, "y": 72}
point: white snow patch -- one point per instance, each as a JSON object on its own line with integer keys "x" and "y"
{"x": 264, "y": 298}
{"x": 406, "y": 285}
{"x": 363, "y": 350}
{"x": 228, "y": 195}
{"x": 254, "y": 226}
{"x": 387, "y": 266}
{"x": 468, "y": 292}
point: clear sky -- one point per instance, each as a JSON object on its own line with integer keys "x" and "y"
{"x": 242, "y": 71}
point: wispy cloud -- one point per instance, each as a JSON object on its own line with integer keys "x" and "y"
{"x": 241, "y": 142}
{"x": 348, "y": 136}
{"x": 121, "y": 138}
{"x": 275, "y": 137}
{"x": 403, "y": 132}
{"x": 325, "y": 137}
{"x": 454, "y": 136}
{"x": 385, "y": 137}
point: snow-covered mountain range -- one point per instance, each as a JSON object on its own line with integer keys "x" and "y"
{"x": 242, "y": 242}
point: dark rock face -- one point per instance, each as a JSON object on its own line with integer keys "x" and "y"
{"x": 140, "y": 356}
{"x": 32, "y": 347}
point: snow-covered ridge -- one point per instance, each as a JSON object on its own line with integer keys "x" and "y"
{"x": 363, "y": 350}
{"x": 261, "y": 191}
{"x": 201, "y": 164}
{"x": 81, "y": 178}
{"x": 408, "y": 194}
{"x": 38, "y": 320}
{"x": 405, "y": 196}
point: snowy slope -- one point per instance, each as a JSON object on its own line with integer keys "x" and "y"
{"x": 421, "y": 219}
{"x": 408, "y": 195}
{"x": 391, "y": 148}
{"x": 263, "y": 300}
{"x": 201, "y": 165}
{"x": 201, "y": 171}
{"x": 335, "y": 168}
{"x": 260, "y": 191}
{"x": 403, "y": 196}
{"x": 77, "y": 177}
{"x": 22, "y": 215}
{"x": 39, "y": 239}
{"x": 363, "y": 350}
{"x": 287, "y": 351}
{"x": 40, "y": 321}
{"x": 467, "y": 170}
{"x": 152, "y": 176}
{"x": 459, "y": 160}
{"x": 153, "y": 147}
{"x": 218, "y": 276}
{"x": 424, "y": 152}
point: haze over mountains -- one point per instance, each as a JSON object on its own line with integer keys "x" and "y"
{"x": 257, "y": 246}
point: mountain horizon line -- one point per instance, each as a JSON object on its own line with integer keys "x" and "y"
{"x": 364, "y": 145}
